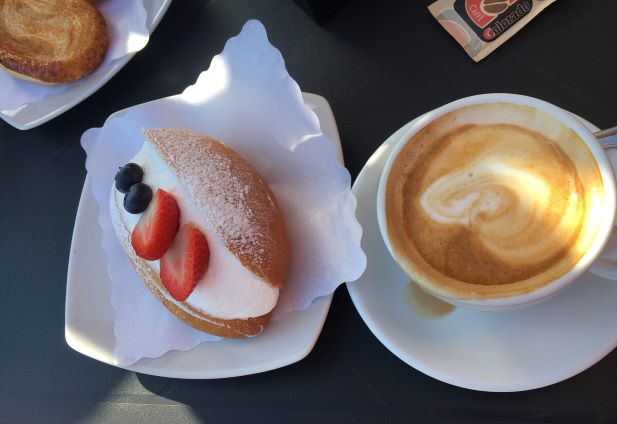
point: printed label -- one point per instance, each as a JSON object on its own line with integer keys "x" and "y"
{"x": 489, "y": 19}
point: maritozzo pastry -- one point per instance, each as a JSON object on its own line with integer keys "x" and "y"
{"x": 203, "y": 230}
{"x": 51, "y": 41}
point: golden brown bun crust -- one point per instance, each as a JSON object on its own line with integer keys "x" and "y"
{"x": 232, "y": 328}
{"x": 51, "y": 41}
{"x": 240, "y": 207}
{"x": 226, "y": 187}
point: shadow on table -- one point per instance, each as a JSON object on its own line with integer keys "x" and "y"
{"x": 71, "y": 391}
{"x": 326, "y": 386}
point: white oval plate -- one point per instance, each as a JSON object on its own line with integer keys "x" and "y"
{"x": 34, "y": 114}
{"x": 89, "y": 315}
{"x": 488, "y": 351}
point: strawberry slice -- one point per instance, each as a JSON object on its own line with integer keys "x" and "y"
{"x": 157, "y": 227}
{"x": 185, "y": 262}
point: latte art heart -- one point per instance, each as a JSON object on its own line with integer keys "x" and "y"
{"x": 517, "y": 211}
{"x": 483, "y": 194}
{"x": 484, "y": 197}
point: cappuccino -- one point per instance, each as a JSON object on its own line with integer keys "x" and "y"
{"x": 492, "y": 200}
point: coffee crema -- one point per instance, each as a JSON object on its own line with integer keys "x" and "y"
{"x": 492, "y": 200}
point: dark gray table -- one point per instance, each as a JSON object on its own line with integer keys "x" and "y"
{"x": 379, "y": 64}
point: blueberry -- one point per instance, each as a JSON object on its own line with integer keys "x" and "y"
{"x": 138, "y": 197}
{"x": 129, "y": 174}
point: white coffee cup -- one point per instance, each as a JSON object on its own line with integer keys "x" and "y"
{"x": 607, "y": 217}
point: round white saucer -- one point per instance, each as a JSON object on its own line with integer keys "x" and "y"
{"x": 489, "y": 351}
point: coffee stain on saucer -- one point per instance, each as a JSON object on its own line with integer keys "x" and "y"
{"x": 425, "y": 305}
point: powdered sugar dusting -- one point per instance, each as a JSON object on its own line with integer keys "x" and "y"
{"x": 232, "y": 196}
{"x": 259, "y": 112}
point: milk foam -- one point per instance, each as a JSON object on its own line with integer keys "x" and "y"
{"x": 462, "y": 196}
{"x": 492, "y": 195}
{"x": 501, "y": 196}
{"x": 227, "y": 290}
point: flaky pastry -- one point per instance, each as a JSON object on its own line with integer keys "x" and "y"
{"x": 51, "y": 41}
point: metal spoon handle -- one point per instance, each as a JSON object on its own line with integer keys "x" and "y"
{"x": 607, "y": 137}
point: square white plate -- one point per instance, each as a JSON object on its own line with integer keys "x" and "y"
{"x": 89, "y": 315}
{"x": 34, "y": 114}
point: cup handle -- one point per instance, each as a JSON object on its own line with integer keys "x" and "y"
{"x": 606, "y": 264}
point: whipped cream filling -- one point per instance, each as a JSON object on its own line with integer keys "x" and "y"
{"x": 227, "y": 290}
